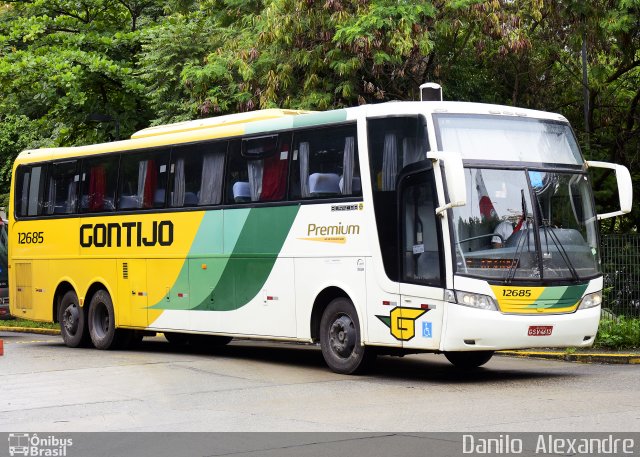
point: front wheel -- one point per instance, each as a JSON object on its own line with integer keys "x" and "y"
{"x": 469, "y": 360}
{"x": 340, "y": 338}
{"x": 73, "y": 325}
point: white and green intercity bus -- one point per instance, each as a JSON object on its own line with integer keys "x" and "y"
{"x": 455, "y": 228}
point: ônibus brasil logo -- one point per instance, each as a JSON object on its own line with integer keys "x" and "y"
{"x": 33, "y": 445}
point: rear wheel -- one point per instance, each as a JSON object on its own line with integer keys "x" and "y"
{"x": 469, "y": 360}
{"x": 73, "y": 325}
{"x": 102, "y": 322}
{"x": 340, "y": 338}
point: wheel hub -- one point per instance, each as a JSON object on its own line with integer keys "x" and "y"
{"x": 70, "y": 319}
{"x": 342, "y": 336}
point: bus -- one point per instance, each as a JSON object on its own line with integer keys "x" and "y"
{"x": 367, "y": 230}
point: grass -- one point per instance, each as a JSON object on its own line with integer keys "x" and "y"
{"x": 28, "y": 324}
{"x": 618, "y": 333}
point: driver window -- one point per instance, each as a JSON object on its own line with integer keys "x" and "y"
{"x": 421, "y": 238}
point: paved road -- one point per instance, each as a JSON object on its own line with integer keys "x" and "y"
{"x": 282, "y": 387}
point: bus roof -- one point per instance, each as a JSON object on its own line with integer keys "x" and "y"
{"x": 229, "y": 119}
{"x": 269, "y": 120}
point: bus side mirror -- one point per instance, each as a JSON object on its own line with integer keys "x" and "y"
{"x": 625, "y": 189}
{"x": 451, "y": 163}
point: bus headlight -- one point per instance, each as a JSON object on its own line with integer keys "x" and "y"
{"x": 591, "y": 300}
{"x": 476, "y": 301}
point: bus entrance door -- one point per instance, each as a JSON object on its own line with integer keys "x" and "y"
{"x": 421, "y": 291}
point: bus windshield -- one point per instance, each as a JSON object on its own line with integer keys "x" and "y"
{"x": 526, "y": 225}
{"x": 507, "y": 138}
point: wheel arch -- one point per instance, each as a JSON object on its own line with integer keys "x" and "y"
{"x": 322, "y": 300}
{"x": 63, "y": 287}
{"x": 95, "y": 286}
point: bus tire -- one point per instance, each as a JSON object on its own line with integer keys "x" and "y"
{"x": 102, "y": 322}
{"x": 340, "y": 338}
{"x": 71, "y": 316}
{"x": 468, "y": 359}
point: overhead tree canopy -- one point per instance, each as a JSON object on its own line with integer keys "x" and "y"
{"x": 67, "y": 64}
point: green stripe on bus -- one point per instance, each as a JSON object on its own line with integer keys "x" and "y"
{"x": 253, "y": 239}
{"x": 253, "y": 257}
{"x": 298, "y": 121}
{"x": 559, "y": 297}
{"x": 328, "y": 117}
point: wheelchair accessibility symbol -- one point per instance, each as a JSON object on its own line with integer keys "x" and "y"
{"x": 427, "y": 330}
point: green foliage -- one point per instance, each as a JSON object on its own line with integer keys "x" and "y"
{"x": 618, "y": 333}
{"x": 151, "y": 62}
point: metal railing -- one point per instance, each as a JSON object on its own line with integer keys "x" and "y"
{"x": 621, "y": 269}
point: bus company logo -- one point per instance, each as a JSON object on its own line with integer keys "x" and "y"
{"x": 352, "y": 207}
{"x": 331, "y": 233}
{"x": 33, "y": 445}
{"x": 126, "y": 234}
{"x": 402, "y": 322}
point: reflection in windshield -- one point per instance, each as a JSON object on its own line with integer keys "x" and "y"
{"x": 507, "y": 139}
{"x": 526, "y": 225}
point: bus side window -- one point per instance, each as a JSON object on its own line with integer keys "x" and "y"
{"x": 30, "y": 190}
{"x": 257, "y": 170}
{"x": 325, "y": 163}
{"x": 395, "y": 143}
{"x": 99, "y": 177}
{"x": 63, "y": 188}
{"x": 143, "y": 180}
{"x": 196, "y": 174}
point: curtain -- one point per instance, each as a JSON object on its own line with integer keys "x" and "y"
{"x": 211, "y": 183}
{"x": 24, "y": 196}
{"x": 51, "y": 199}
{"x": 255, "y": 169}
{"x": 304, "y": 169}
{"x": 347, "y": 165}
{"x": 274, "y": 176}
{"x": 97, "y": 187}
{"x": 389, "y": 162}
{"x": 147, "y": 183}
{"x": 72, "y": 196}
{"x": 177, "y": 198}
{"x": 143, "y": 165}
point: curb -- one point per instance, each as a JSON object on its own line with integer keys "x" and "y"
{"x": 583, "y": 357}
{"x": 40, "y": 331}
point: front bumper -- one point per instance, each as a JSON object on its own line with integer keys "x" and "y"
{"x": 471, "y": 329}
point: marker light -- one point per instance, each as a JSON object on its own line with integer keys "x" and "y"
{"x": 591, "y": 300}
{"x": 476, "y": 301}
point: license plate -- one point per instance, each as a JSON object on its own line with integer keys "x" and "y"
{"x": 540, "y": 330}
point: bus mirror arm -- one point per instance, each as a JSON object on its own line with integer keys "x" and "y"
{"x": 453, "y": 178}
{"x": 625, "y": 189}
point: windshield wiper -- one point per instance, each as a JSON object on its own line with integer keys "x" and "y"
{"x": 549, "y": 233}
{"x": 514, "y": 266}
